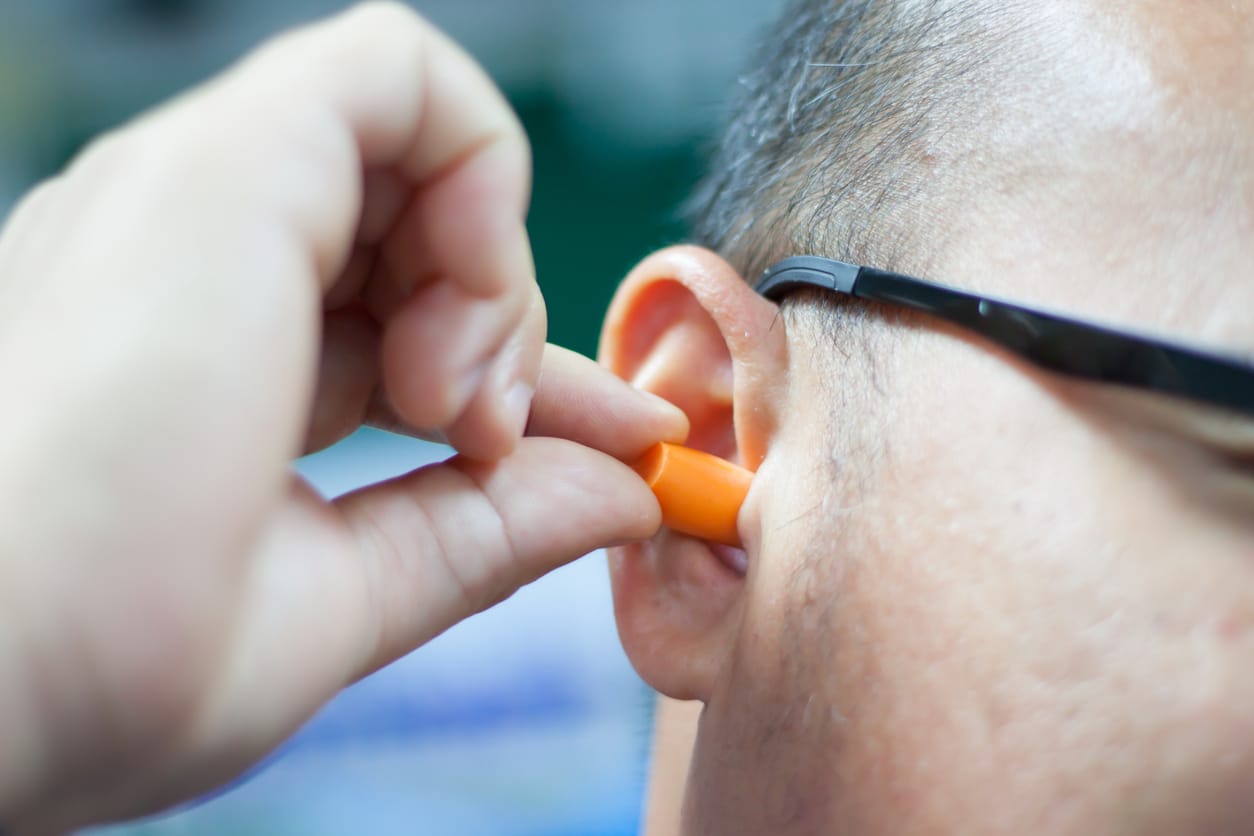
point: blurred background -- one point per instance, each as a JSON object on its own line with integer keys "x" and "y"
{"x": 528, "y": 719}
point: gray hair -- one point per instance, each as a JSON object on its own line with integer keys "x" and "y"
{"x": 829, "y": 145}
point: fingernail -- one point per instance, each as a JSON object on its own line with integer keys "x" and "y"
{"x": 467, "y": 387}
{"x": 664, "y": 407}
{"x": 518, "y": 407}
{"x": 658, "y": 401}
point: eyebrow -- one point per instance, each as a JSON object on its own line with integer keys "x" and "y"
{"x": 1057, "y": 342}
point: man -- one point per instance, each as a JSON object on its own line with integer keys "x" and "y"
{"x": 980, "y": 598}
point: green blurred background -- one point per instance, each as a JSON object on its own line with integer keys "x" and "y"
{"x": 618, "y": 98}
{"x": 594, "y": 216}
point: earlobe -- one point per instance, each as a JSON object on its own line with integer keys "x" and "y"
{"x": 684, "y": 325}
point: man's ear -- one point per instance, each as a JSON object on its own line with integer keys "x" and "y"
{"x": 686, "y": 326}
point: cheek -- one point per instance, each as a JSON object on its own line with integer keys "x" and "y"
{"x": 1057, "y": 627}
{"x": 770, "y": 733}
{"x": 1053, "y": 622}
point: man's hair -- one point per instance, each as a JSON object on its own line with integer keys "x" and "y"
{"x": 856, "y": 136}
{"x": 833, "y": 143}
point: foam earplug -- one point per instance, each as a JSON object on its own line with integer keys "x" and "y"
{"x": 700, "y": 494}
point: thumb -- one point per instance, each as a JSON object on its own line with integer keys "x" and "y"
{"x": 335, "y": 592}
{"x": 448, "y": 541}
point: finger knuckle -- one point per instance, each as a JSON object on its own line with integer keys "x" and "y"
{"x": 341, "y": 43}
{"x": 130, "y": 164}
{"x": 383, "y": 26}
{"x": 105, "y": 151}
{"x": 36, "y": 201}
{"x": 388, "y": 13}
{"x": 391, "y": 32}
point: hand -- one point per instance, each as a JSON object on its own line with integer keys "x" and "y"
{"x": 330, "y": 233}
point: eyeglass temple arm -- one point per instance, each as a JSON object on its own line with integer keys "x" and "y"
{"x": 808, "y": 271}
{"x": 1053, "y": 342}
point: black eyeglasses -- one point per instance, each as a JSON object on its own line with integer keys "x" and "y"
{"x": 1058, "y": 343}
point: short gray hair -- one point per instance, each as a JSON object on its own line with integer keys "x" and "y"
{"x": 827, "y": 150}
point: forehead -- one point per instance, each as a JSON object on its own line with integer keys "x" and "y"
{"x": 1198, "y": 51}
{"x": 1120, "y": 175}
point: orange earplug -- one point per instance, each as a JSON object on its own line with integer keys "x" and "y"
{"x": 700, "y": 494}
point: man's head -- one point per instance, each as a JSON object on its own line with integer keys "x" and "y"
{"x": 980, "y": 598}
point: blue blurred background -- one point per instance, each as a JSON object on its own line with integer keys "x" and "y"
{"x": 527, "y": 719}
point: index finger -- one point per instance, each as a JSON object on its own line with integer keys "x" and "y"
{"x": 384, "y": 90}
{"x": 387, "y": 89}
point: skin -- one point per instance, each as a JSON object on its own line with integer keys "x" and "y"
{"x": 330, "y": 233}
{"x": 980, "y": 599}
